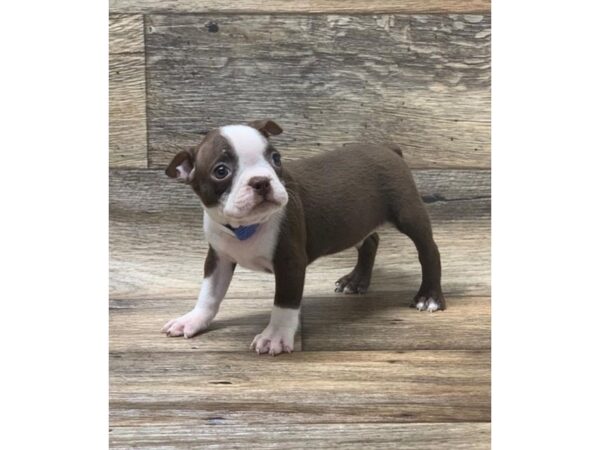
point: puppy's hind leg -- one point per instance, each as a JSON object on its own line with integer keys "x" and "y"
{"x": 415, "y": 223}
{"x": 357, "y": 281}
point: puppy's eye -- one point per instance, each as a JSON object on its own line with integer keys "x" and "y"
{"x": 221, "y": 171}
{"x": 276, "y": 158}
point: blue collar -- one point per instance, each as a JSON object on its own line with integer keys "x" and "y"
{"x": 245, "y": 232}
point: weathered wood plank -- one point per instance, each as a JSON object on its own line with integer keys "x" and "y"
{"x": 165, "y": 260}
{"x": 126, "y": 33}
{"x": 439, "y": 436}
{"x": 449, "y": 194}
{"x": 135, "y": 325}
{"x": 308, "y": 387}
{"x": 384, "y": 321}
{"x": 421, "y": 81}
{"x": 299, "y": 6}
{"x": 127, "y": 93}
{"x": 376, "y": 321}
{"x": 157, "y": 246}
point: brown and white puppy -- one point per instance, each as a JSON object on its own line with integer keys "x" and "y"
{"x": 276, "y": 219}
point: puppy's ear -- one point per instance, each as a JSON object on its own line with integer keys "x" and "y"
{"x": 266, "y": 127}
{"x": 182, "y": 166}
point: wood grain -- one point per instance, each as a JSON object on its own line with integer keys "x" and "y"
{"x": 299, "y": 6}
{"x": 126, "y": 33}
{"x": 157, "y": 247}
{"x": 376, "y": 321}
{"x": 150, "y": 260}
{"x": 421, "y": 81}
{"x": 450, "y": 195}
{"x": 414, "y": 436}
{"x": 127, "y": 93}
{"x": 384, "y": 321}
{"x": 307, "y": 387}
{"x": 135, "y": 325}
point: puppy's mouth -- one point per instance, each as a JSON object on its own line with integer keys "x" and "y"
{"x": 259, "y": 212}
{"x": 266, "y": 203}
{"x": 259, "y": 207}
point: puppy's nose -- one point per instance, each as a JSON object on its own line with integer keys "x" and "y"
{"x": 261, "y": 185}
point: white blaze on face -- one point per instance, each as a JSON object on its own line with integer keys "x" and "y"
{"x": 250, "y": 145}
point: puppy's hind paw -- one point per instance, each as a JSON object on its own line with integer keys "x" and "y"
{"x": 352, "y": 284}
{"x": 428, "y": 304}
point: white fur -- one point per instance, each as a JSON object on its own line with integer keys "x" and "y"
{"x": 429, "y": 304}
{"x": 211, "y": 294}
{"x": 241, "y": 207}
{"x": 279, "y": 335}
{"x": 246, "y": 141}
{"x": 255, "y": 253}
{"x": 433, "y": 305}
{"x": 237, "y": 207}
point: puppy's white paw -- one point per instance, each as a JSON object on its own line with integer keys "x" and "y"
{"x": 274, "y": 340}
{"x": 188, "y": 325}
{"x": 427, "y": 304}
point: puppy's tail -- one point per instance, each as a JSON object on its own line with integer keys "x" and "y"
{"x": 396, "y": 149}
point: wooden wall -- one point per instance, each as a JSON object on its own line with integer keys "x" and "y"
{"x": 416, "y": 73}
{"x": 420, "y": 80}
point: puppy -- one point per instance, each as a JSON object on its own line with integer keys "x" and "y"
{"x": 276, "y": 218}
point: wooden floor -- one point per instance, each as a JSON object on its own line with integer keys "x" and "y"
{"x": 371, "y": 371}
{"x": 368, "y": 371}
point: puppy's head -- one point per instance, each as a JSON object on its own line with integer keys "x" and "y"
{"x": 236, "y": 173}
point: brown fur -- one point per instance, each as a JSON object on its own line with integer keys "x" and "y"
{"x": 210, "y": 263}
{"x": 357, "y": 281}
{"x": 213, "y": 148}
{"x": 338, "y": 198}
{"x": 290, "y": 259}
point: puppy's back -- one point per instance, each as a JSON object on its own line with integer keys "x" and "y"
{"x": 346, "y": 193}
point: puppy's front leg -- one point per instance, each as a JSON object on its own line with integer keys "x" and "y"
{"x": 289, "y": 268}
{"x": 217, "y": 276}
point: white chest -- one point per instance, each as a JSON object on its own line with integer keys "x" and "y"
{"x": 255, "y": 253}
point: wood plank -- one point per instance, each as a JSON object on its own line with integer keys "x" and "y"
{"x": 126, "y": 33}
{"x": 299, "y": 6}
{"x": 149, "y": 260}
{"x": 449, "y": 194}
{"x": 157, "y": 246}
{"x": 135, "y": 325}
{"x": 376, "y": 321}
{"x": 307, "y": 387}
{"x": 127, "y": 93}
{"x": 439, "y": 436}
{"x": 421, "y": 81}
{"x": 384, "y": 321}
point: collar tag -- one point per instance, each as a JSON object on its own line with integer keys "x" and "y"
{"x": 244, "y": 232}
